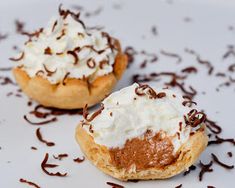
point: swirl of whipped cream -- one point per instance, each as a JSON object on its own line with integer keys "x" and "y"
{"x": 67, "y": 48}
{"x": 130, "y": 112}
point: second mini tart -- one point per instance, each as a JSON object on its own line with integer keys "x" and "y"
{"x": 68, "y": 65}
{"x": 143, "y": 133}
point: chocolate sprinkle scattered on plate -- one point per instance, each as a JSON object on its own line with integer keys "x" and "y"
{"x": 79, "y": 160}
{"x": 179, "y": 186}
{"x": 204, "y": 169}
{"x": 114, "y": 185}
{"x": 39, "y": 136}
{"x": 45, "y": 165}
{"x": 215, "y": 159}
{"x": 29, "y": 183}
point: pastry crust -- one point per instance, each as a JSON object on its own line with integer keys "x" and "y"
{"x": 100, "y": 157}
{"x": 75, "y": 93}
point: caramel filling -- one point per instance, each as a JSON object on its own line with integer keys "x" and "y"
{"x": 149, "y": 151}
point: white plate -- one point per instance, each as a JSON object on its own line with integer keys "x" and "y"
{"x": 131, "y": 22}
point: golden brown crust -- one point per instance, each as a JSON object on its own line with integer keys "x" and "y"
{"x": 76, "y": 93}
{"x": 100, "y": 157}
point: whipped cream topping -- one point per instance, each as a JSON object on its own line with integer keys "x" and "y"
{"x": 130, "y": 112}
{"x": 67, "y": 48}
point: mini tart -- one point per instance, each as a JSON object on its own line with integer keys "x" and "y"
{"x": 72, "y": 93}
{"x": 100, "y": 156}
{"x": 129, "y": 143}
{"x": 78, "y": 66}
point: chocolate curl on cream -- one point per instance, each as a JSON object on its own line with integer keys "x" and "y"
{"x": 145, "y": 89}
{"x": 93, "y": 116}
{"x": 195, "y": 118}
{"x": 75, "y": 16}
{"x": 49, "y": 72}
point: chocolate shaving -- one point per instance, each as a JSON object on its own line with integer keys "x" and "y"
{"x": 221, "y": 140}
{"x": 19, "y": 58}
{"x": 92, "y": 48}
{"x": 49, "y": 73}
{"x": 189, "y": 102}
{"x": 59, "y": 53}
{"x": 5, "y": 68}
{"x": 180, "y": 126}
{"x": 195, "y": 118}
{"x": 18, "y": 95}
{"x": 143, "y": 64}
{"x": 29, "y": 183}
{"x": 154, "y": 30}
{"x": 29, "y": 103}
{"x": 173, "y": 55}
{"x": 39, "y": 136}
{"x": 179, "y": 186}
{"x": 94, "y": 13}
{"x": 190, "y": 69}
{"x": 229, "y": 52}
{"x": 81, "y": 34}
{"x": 153, "y": 57}
{"x": 40, "y": 123}
{"x": 34, "y": 34}
{"x": 52, "y": 111}
{"x": 220, "y": 74}
{"x": 114, "y": 185}
{"x": 65, "y": 13}
{"x": 175, "y": 83}
{"x": 65, "y": 77}
{"x": 47, "y": 51}
{"x": 156, "y": 76}
{"x": 61, "y": 35}
{"x": 93, "y": 116}
{"x": 230, "y": 154}
{"x": 145, "y": 89}
{"x": 111, "y": 41}
{"x": 79, "y": 160}
{"x": 54, "y": 25}
{"x": 102, "y": 63}
{"x": 200, "y": 61}
{"x": 60, "y": 156}
{"x": 74, "y": 54}
{"x": 213, "y": 127}
{"x": 161, "y": 95}
{"x": 20, "y": 29}
{"x": 19, "y": 26}
{"x": 231, "y": 68}
{"x": 191, "y": 168}
{"x": 130, "y": 52}
{"x": 40, "y": 72}
{"x": 3, "y": 36}
{"x": 133, "y": 181}
{"x": 9, "y": 94}
{"x": 45, "y": 165}
{"x": 39, "y": 114}
{"x": 6, "y": 81}
{"x": 91, "y": 63}
{"x": 75, "y": 16}
{"x": 204, "y": 169}
{"x": 33, "y": 148}
{"x": 215, "y": 158}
